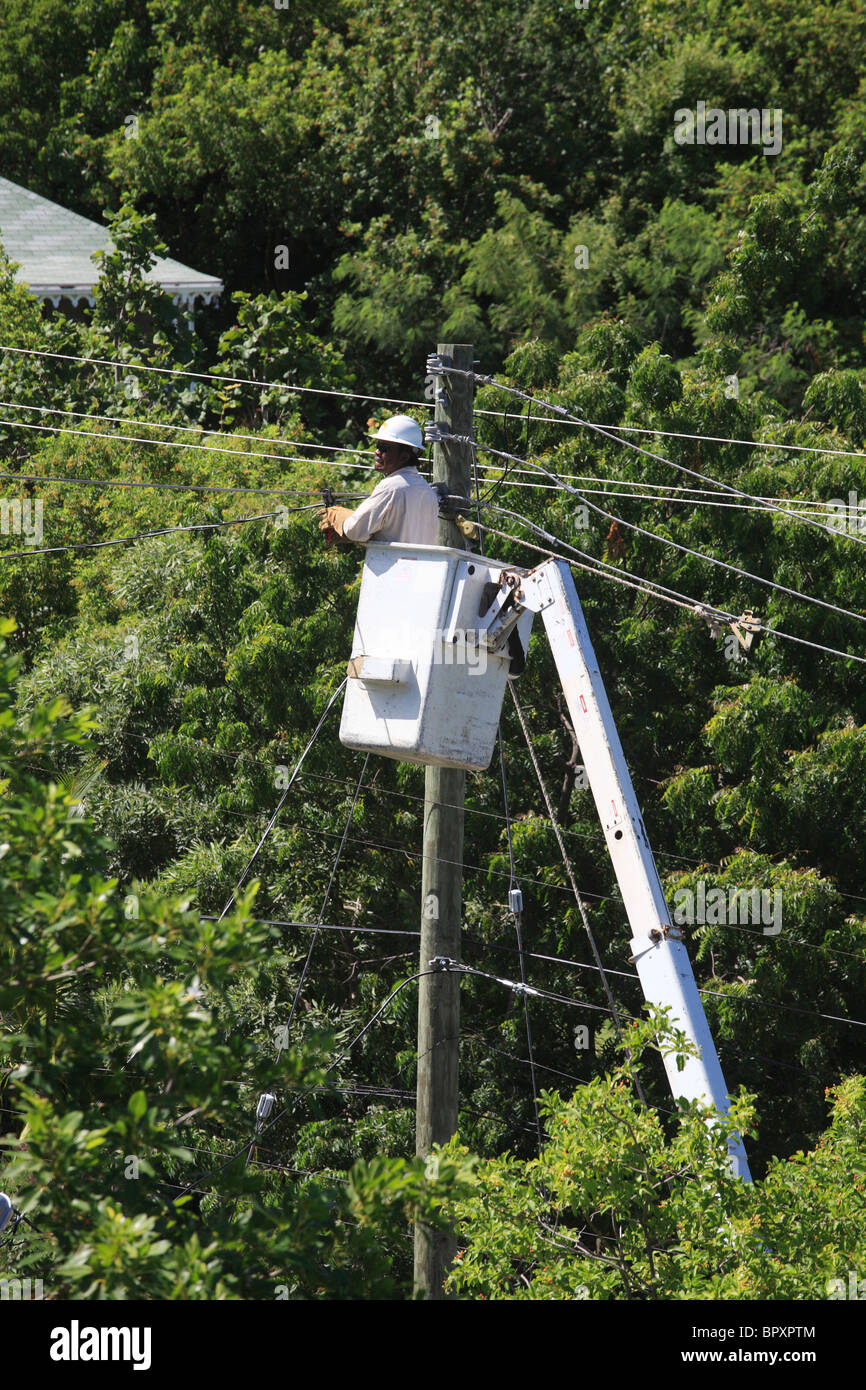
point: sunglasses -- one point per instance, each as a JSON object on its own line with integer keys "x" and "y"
{"x": 383, "y": 447}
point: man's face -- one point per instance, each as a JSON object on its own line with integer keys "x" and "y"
{"x": 390, "y": 457}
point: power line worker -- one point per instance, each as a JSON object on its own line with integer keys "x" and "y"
{"x": 403, "y": 506}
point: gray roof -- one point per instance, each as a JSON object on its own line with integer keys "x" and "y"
{"x": 53, "y": 247}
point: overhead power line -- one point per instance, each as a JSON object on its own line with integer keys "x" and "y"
{"x": 515, "y": 903}
{"x": 561, "y": 418}
{"x": 665, "y": 497}
{"x": 113, "y": 436}
{"x": 650, "y": 491}
{"x": 571, "y": 876}
{"x": 673, "y": 434}
{"x": 685, "y": 549}
{"x": 282, "y": 799}
{"x": 212, "y": 377}
{"x": 638, "y": 448}
{"x": 665, "y": 492}
{"x": 604, "y": 571}
{"x": 596, "y": 566}
{"x": 149, "y": 484}
{"x": 147, "y": 535}
{"x": 184, "y": 429}
{"x": 327, "y": 896}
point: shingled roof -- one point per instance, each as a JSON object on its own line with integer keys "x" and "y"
{"x": 54, "y": 246}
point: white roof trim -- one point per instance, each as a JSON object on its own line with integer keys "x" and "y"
{"x": 54, "y": 246}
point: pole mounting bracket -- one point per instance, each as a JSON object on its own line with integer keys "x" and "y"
{"x": 442, "y": 964}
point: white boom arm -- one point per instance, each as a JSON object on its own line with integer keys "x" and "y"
{"x": 662, "y": 960}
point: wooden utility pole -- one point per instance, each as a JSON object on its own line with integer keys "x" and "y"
{"x": 442, "y": 873}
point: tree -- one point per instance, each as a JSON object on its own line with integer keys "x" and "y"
{"x": 132, "y": 1151}
{"x": 619, "y": 1206}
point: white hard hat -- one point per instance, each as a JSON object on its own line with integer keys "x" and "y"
{"x": 401, "y": 429}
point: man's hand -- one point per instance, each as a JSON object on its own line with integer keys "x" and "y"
{"x": 332, "y": 518}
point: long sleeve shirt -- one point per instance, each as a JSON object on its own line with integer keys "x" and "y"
{"x": 402, "y": 507}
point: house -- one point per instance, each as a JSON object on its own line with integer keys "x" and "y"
{"x": 54, "y": 246}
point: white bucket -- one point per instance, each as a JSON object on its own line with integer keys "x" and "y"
{"x": 422, "y": 686}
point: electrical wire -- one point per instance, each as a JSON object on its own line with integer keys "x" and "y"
{"x": 517, "y": 913}
{"x": 777, "y": 1004}
{"x": 561, "y": 417}
{"x": 212, "y": 377}
{"x": 666, "y": 497}
{"x": 325, "y": 902}
{"x": 494, "y": 815}
{"x": 677, "y": 434}
{"x": 264, "y": 1128}
{"x": 323, "y": 926}
{"x": 662, "y": 591}
{"x": 572, "y": 880}
{"x": 148, "y": 535}
{"x": 761, "y": 504}
{"x": 487, "y": 871}
{"x": 411, "y": 979}
{"x": 282, "y": 799}
{"x": 284, "y": 1034}
{"x": 185, "y": 429}
{"x": 73, "y": 480}
{"x": 662, "y": 491}
{"x": 113, "y": 435}
{"x": 687, "y": 550}
{"x": 831, "y": 952}
{"x": 602, "y": 430}
{"x": 473, "y": 868}
{"x": 579, "y": 964}
{"x": 663, "y": 497}
{"x": 700, "y": 609}
{"x": 470, "y": 970}
{"x": 129, "y": 734}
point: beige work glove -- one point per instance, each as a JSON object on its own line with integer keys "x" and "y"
{"x": 332, "y": 519}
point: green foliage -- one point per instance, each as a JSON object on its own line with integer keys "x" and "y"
{"x": 271, "y": 342}
{"x": 503, "y": 175}
{"x": 438, "y": 179}
{"x": 655, "y": 380}
{"x": 615, "y": 1208}
{"x": 128, "y": 305}
{"x": 122, "y": 1053}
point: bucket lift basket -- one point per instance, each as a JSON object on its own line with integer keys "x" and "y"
{"x": 437, "y": 635}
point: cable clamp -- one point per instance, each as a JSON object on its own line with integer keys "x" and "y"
{"x": 520, "y": 988}
{"x": 443, "y": 964}
{"x": 479, "y": 376}
{"x": 438, "y": 432}
{"x": 466, "y": 528}
{"x": 435, "y": 365}
{"x": 450, "y": 505}
{"x": 746, "y": 629}
{"x": 441, "y": 490}
{"x": 710, "y": 618}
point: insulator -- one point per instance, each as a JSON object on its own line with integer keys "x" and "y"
{"x": 265, "y": 1105}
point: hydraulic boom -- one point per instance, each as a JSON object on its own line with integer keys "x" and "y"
{"x": 661, "y": 958}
